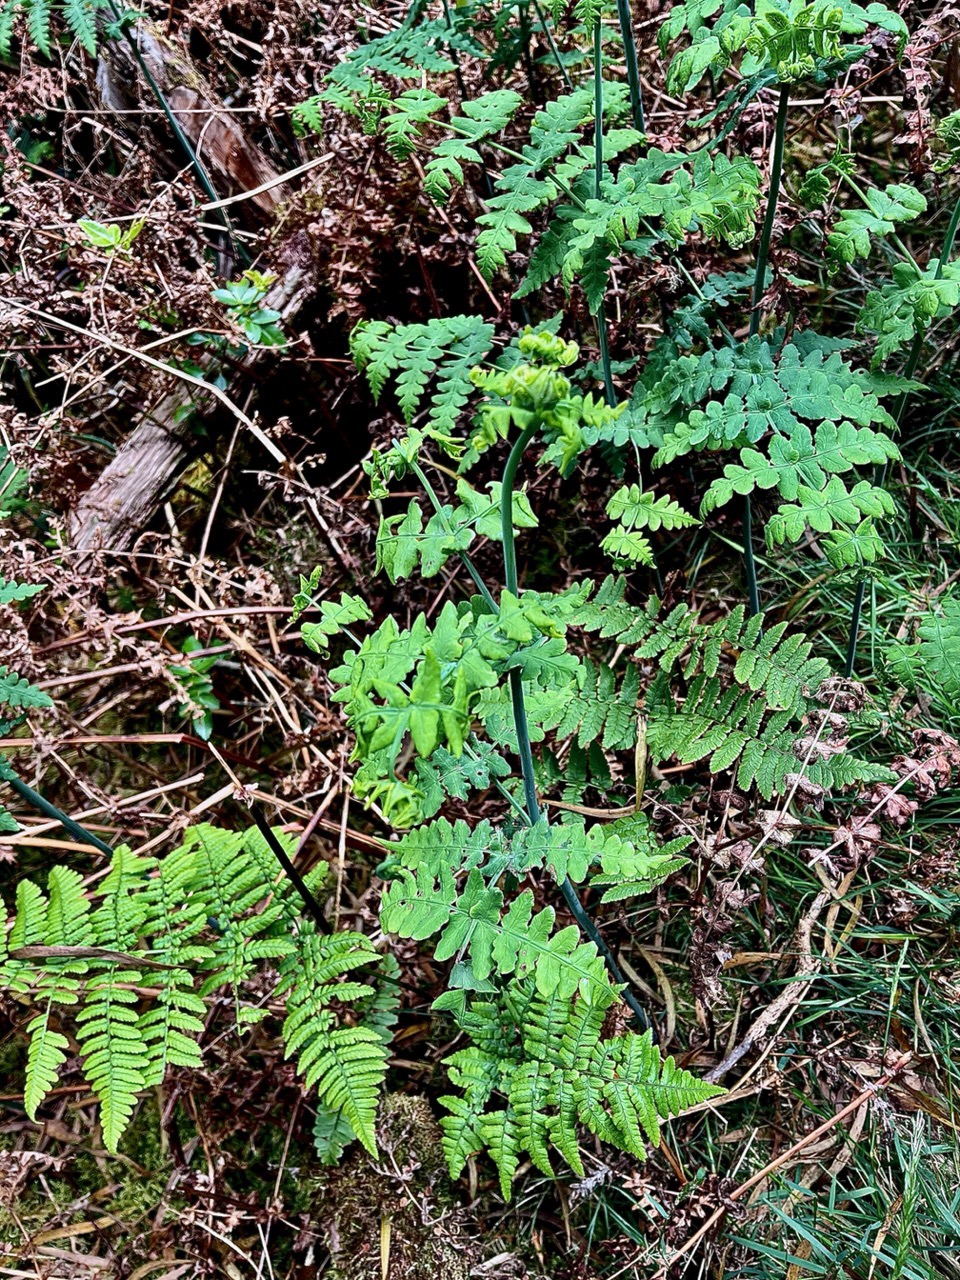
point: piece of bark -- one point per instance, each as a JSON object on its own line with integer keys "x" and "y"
{"x": 124, "y": 497}
{"x": 231, "y": 159}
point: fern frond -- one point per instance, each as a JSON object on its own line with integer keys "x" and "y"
{"x": 346, "y": 1064}
{"x": 11, "y": 592}
{"x": 111, "y": 1048}
{"x": 932, "y": 661}
{"x": 556, "y": 1070}
{"x": 17, "y": 691}
{"x": 212, "y": 911}
{"x": 593, "y": 709}
{"x": 441, "y": 350}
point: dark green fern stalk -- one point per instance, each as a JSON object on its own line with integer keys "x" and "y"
{"x": 763, "y": 253}
{"x": 603, "y": 339}
{"x": 524, "y": 748}
{"x": 909, "y": 369}
{"x": 633, "y": 71}
{"x": 42, "y": 805}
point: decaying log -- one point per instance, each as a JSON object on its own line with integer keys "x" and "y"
{"x": 124, "y": 498}
{"x": 231, "y": 159}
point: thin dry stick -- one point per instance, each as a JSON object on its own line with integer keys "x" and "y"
{"x": 791, "y": 994}
{"x": 276, "y": 181}
{"x": 739, "y": 1192}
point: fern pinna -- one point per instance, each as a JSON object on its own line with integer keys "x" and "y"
{"x": 123, "y": 978}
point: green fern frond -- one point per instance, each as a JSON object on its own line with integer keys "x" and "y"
{"x": 210, "y": 913}
{"x": 931, "y": 662}
{"x": 17, "y": 691}
{"x": 111, "y": 1048}
{"x": 11, "y": 592}
{"x": 346, "y": 1064}
{"x": 555, "y": 1071}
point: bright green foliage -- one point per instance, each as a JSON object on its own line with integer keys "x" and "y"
{"x": 590, "y": 708}
{"x": 716, "y": 195}
{"x": 908, "y": 305}
{"x": 429, "y": 896}
{"x": 443, "y": 775}
{"x": 37, "y": 16}
{"x": 207, "y": 916}
{"x": 768, "y": 399}
{"x": 948, "y": 136}
{"x": 482, "y": 118}
{"x": 336, "y": 615}
{"x": 413, "y": 48}
{"x": 802, "y": 458}
{"x": 824, "y": 510}
{"x": 790, "y": 39}
{"x": 193, "y": 679}
{"x": 763, "y": 392}
{"x": 753, "y": 723}
{"x": 853, "y": 234}
{"x": 635, "y": 510}
{"x": 443, "y": 351}
{"x": 540, "y": 1066}
{"x": 534, "y": 390}
{"x": 405, "y": 544}
{"x": 17, "y": 691}
{"x": 15, "y": 592}
{"x": 346, "y": 1064}
{"x": 931, "y": 663}
{"x": 554, "y": 157}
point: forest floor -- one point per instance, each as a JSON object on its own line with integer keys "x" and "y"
{"x": 826, "y": 989}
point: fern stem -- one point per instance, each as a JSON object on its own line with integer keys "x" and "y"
{"x": 36, "y": 801}
{"x": 749, "y": 563}
{"x": 609, "y": 390}
{"x": 293, "y": 875}
{"x": 468, "y": 564}
{"x": 506, "y": 506}
{"x": 524, "y": 748}
{"x": 602, "y": 337}
{"x": 633, "y": 70}
{"x": 511, "y": 584}
{"x": 880, "y": 473}
{"x": 523, "y": 18}
{"x": 759, "y": 280}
